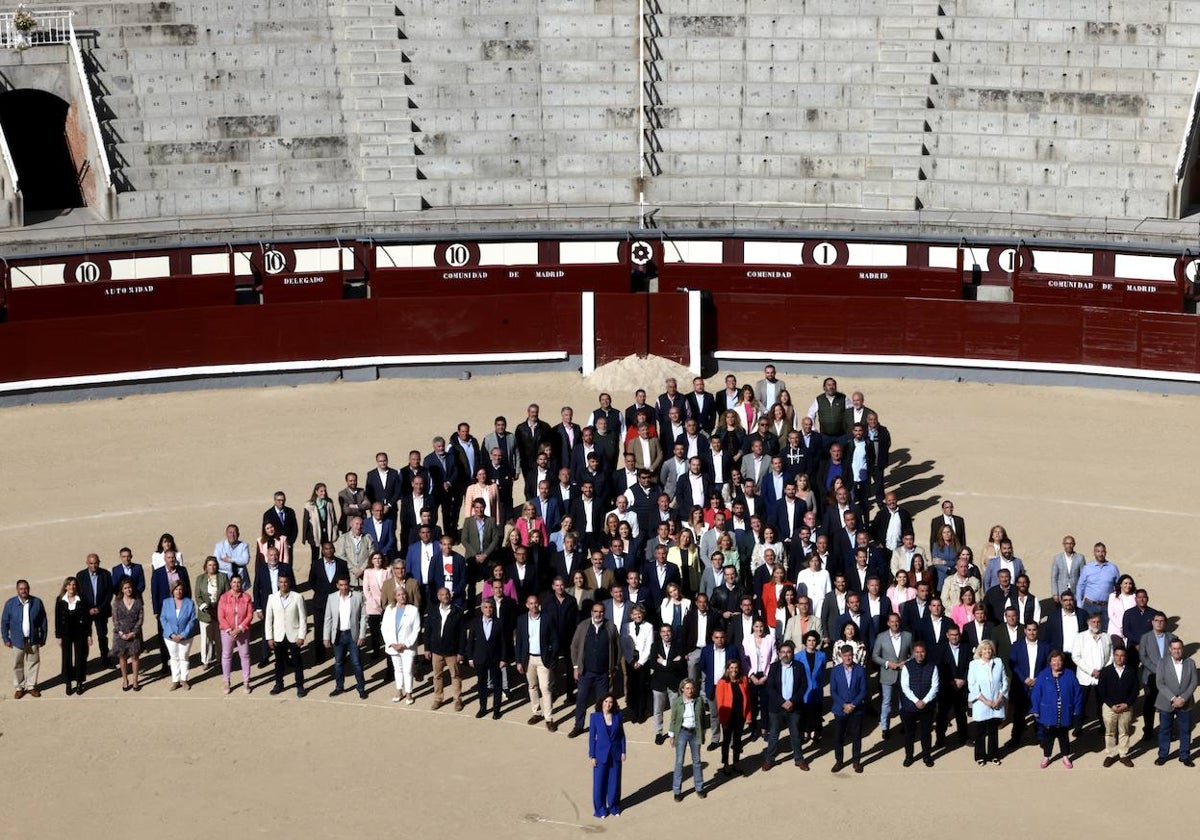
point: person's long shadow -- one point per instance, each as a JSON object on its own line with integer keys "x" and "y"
{"x": 655, "y": 787}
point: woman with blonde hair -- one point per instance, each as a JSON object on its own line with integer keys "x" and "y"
{"x": 686, "y": 556}
{"x": 529, "y": 521}
{"x": 320, "y": 520}
{"x": 73, "y": 629}
{"x": 987, "y": 689}
{"x": 401, "y": 624}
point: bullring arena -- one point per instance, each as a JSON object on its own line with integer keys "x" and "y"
{"x": 249, "y": 244}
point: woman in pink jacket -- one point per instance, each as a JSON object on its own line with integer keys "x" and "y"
{"x": 235, "y": 611}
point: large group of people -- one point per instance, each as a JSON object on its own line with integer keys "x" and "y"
{"x": 727, "y": 565}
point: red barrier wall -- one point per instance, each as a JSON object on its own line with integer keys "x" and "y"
{"x": 286, "y": 332}
{"x": 958, "y": 329}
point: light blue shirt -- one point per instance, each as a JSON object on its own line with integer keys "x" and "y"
{"x": 785, "y": 683}
{"x": 1097, "y": 581}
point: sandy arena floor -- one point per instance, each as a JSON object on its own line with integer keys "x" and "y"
{"x": 1102, "y": 465}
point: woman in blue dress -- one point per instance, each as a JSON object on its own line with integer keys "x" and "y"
{"x": 606, "y": 749}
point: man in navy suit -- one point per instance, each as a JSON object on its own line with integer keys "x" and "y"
{"x": 713, "y": 658}
{"x": 1066, "y": 614}
{"x": 567, "y": 437}
{"x": 486, "y": 649}
{"x": 848, "y": 691}
{"x": 445, "y": 480}
{"x": 128, "y": 569}
{"x": 284, "y": 518}
{"x": 856, "y": 614}
{"x": 691, "y": 483}
{"x": 786, "y": 687}
{"x": 96, "y": 592}
{"x": 322, "y": 577}
{"x": 695, "y": 442}
{"x": 383, "y": 485}
{"x": 954, "y": 661}
{"x": 382, "y": 531}
{"x": 421, "y": 561}
{"x": 1024, "y": 672}
{"x": 500, "y": 472}
{"x": 535, "y": 654}
{"x": 658, "y": 576}
{"x": 879, "y": 439}
{"x": 670, "y": 398}
{"x": 788, "y": 514}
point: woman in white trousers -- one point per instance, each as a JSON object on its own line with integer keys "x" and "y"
{"x": 401, "y": 625}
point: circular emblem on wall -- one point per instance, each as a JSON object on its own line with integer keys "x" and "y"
{"x": 825, "y": 253}
{"x": 456, "y": 254}
{"x": 640, "y": 252}
{"x": 275, "y": 261}
{"x": 1006, "y": 259}
{"x": 86, "y": 270}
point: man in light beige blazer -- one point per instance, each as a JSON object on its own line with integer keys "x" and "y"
{"x": 286, "y": 624}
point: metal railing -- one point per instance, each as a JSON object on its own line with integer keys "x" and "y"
{"x": 53, "y": 26}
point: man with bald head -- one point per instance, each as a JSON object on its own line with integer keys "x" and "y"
{"x": 96, "y": 592}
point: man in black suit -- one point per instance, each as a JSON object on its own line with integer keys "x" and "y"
{"x": 567, "y": 437}
{"x": 947, "y": 517}
{"x": 410, "y": 471}
{"x": 420, "y": 497}
{"x": 1066, "y": 614}
{"x": 487, "y": 649}
{"x": 701, "y": 407}
{"x": 880, "y": 441}
{"x": 446, "y": 482}
{"x": 785, "y": 690}
{"x": 658, "y": 576}
{"x": 444, "y": 634}
{"x": 266, "y": 584}
{"x": 500, "y": 473}
{"x": 1117, "y": 690}
{"x": 692, "y": 489}
{"x": 383, "y": 485}
{"x": 740, "y": 627}
{"x": 322, "y": 577}
{"x": 535, "y": 652}
{"x": 284, "y": 518}
{"x": 563, "y": 613}
{"x": 640, "y": 405}
{"x": 670, "y": 398}
{"x": 891, "y": 524}
{"x": 954, "y": 660}
{"x": 468, "y": 457}
{"x": 531, "y": 434}
{"x": 96, "y": 592}
{"x": 916, "y": 610}
{"x": 592, "y": 472}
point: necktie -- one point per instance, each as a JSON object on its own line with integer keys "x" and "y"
{"x": 281, "y": 516}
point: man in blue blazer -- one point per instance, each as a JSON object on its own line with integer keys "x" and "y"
{"x": 549, "y": 508}
{"x": 1024, "y": 672}
{"x": 657, "y": 576}
{"x": 128, "y": 569}
{"x": 848, "y": 691}
{"x": 535, "y": 653}
{"x": 422, "y": 570}
{"x": 382, "y": 530}
{"x": 786, "y": 526}
{"x": 786, "y": 687}
{"x": 24, "y": 635}
{"x": 1056, "y": 618}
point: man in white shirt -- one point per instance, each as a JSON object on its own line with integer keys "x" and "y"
{"x": 286, "y": 627}
{"x": 1092, "y": 651}
{"x": 233, "y": 555}
{"x": 343, "y": 629}
{"x": 535, "y": 655}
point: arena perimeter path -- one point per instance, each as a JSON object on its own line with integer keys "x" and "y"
{"x": 1103, "y": 465}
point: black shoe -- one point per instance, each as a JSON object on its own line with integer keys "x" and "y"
{"x": 1186, "y": 762}
{"x": 277, "y": 690}
{"x": 262, "y": 663}
{"x": 908, "y": 762}
{"x": 362, "y": 695}
{"x": 575, "y": 732}
{"x": 679, "y": 797}
{"x": 1159, "y": 762}
{"x": 70, "y": 690}
{"x": 335, "y": 692}
{"x": 928, "y": 761}
{"x": 714, "y": 746}
{"x": 940, "y": 743}
{"x": 887, "y": 733}
{"x": 659, "y": 739}
{"x": 703, "y": 794}
{"x": 300, "y": 692}
{"x": 481, "y": 713}
{"x": 496, "y": 715}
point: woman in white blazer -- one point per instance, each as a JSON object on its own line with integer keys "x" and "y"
{"x": 987, "y": 689}
{"x": 401, "y": 624}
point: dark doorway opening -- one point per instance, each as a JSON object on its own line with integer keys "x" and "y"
{"x": 35, "y": 125}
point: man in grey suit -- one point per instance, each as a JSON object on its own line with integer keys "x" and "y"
{"x": 890, "y": 651}
{"x": 1153, "y": 648}
{"x": 1065, "y": 569}
{"x": 343, "y": 629}
{"x": 767, "y": 389}
{"x": 1176, "y": 687}
{"x": 480, "y": 539}
{"x": 756, "y": 463}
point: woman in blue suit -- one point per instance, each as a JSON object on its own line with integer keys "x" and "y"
{"x": 606, "y": 749}
{"x": 179, "y": 626}
{"x": 1057, "y": 703}
{"x": 812, "y": 661}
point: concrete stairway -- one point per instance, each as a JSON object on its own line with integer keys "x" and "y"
{"x": 218, "y": 107}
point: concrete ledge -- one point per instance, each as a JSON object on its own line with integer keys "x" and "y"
{"x": 975, "y": 370}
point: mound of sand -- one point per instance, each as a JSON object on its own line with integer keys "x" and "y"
{"x": 633, "y": 372}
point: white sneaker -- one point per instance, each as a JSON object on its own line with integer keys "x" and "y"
{"x": 409, "y": 700}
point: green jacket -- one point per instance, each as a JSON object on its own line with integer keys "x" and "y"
{"x": 703, "y": 718}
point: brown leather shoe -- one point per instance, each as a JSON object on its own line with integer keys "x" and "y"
{"x": 458, "y": 706}
{"x": 858, "y": 768}
{"x": 767, "y": 765}
{"x": 837, "y": 767}
{"x": 1126, "y": 760}
{"x": 535, "y": 720}
{"x": 803, "y": 765}
{"x": 18, "y": 694}
{"x": 33, "y": 692}
{"x": 1110, "y": 761}
{"x": 437, "y": 704}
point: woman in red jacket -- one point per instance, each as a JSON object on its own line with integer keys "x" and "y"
{"x": 733, "y": 711}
